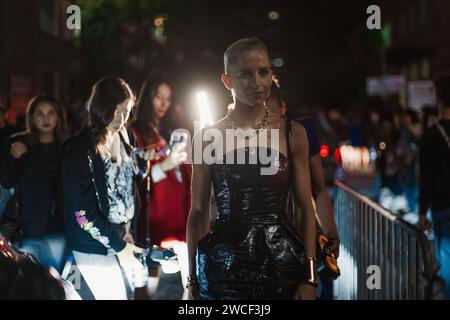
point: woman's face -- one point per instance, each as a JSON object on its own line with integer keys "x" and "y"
{"x": 251, "y": 77}
{"x": 162, "y": 100}
{"x": 45, "y": 118}
{"x": 121, "y": 116}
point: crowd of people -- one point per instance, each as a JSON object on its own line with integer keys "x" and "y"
{"x": 392, "y": 135}
{"x": 93, "y": 194}
{"x": 412, "y": 161}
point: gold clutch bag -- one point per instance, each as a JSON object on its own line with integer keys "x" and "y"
{"x": 327, "y": 265}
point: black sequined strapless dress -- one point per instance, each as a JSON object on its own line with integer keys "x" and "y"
{"x": 251, "y": 252}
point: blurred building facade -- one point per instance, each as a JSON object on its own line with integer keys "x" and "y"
{"x": 419, "y": 37}
{"x": 37, "y": 52}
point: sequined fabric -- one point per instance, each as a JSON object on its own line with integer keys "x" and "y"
{"x": 251, "y": 252}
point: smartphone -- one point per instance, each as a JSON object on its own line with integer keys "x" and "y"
{"x": 178, "y": 140}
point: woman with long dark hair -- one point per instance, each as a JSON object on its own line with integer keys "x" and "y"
{"x": 99, "y": 195}
{"x": 165, "y": 194}
{"x": 31, "y": 165}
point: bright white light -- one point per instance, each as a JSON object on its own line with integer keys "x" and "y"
{"x": 373, "y": 154}
{"x": 204, "y": 109}
{"x": 273, "y": 15}
{"x": 357, "y": 159}
{"x": 158, "y": 22}
{"x": 181, "y": 251}
{"x": 345, "y": 287}
{"x": 278, "y": 62}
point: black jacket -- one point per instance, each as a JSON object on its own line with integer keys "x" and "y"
{"x": 35, "y": 175}
{"x": 85, "y": 192}
{"x": 435, "y": 169}
{"x": 5, "y": 132}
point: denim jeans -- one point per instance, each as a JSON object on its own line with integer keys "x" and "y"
{"x": 50, "y": 250}
{"x": 441, "y": 227}
{"x": 5, "y": 196}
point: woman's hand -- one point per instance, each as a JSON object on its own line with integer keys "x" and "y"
{"x": 150, "y": 152}
{"x": 128, "y": 238}
{"x": 305, "y": 292}
{"x": 18, "y": 149}
{"x": 333, "y": 245}
{"x": 173, "y": 160}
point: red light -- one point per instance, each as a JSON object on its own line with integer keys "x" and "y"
{"x": 337, "y": 156}
{"x": 2, "y": 243}
{"x": 324, "y": 151}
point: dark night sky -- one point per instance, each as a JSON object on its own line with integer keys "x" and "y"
{"x": 324, "y": 46}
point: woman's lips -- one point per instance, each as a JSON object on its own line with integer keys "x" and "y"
{"x": 256, "y": 94}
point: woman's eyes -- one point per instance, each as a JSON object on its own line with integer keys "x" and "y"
{"x": 40, "y": 114}
{"x": 168, "y": 100}
{"x": 161, "y": 98}
{"x": 247, "y": 74}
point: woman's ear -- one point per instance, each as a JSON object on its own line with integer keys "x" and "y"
{"x": 227, "y": 81}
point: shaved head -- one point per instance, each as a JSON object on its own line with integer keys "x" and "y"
{"x": 238, "y": 47}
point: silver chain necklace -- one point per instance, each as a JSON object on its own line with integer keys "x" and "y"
{"x": 260, "y": 126}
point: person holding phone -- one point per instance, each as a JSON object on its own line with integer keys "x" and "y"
{"x": 165, "y": 190}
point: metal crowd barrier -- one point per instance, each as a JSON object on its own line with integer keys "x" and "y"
{"x": 377, "y": 243}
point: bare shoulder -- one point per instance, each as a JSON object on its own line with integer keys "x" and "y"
{"x": 299, "y": 135}
{"x": 298, "y": 130}
{"x": 276, "y": 121}
{"x": 221, "y": 124}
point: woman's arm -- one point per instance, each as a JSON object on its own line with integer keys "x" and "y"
{"x": 171, "y": 162}
{"x": 302, "y": 189}
{"x": 324, "y": 206}
{"x": 80, "y": 202}
{"x": 198, "y": 220}
{"x": 306, "y": 222}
